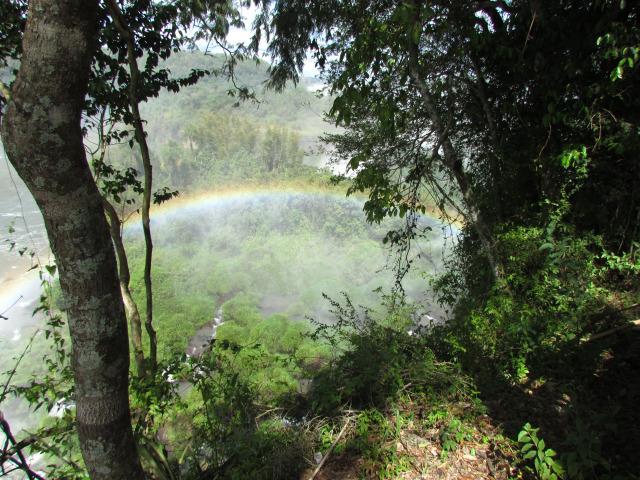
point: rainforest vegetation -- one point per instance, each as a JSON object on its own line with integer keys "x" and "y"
{"x": 421, "y": 264}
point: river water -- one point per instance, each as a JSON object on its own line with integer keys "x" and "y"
{"x": 21, "y": 229}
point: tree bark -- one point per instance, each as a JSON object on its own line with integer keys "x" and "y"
{"x": 130, "y": 306}
{"x": 450, "y": 158}
{"x": 43, "y": 139}
{"x": 141, "y": 139}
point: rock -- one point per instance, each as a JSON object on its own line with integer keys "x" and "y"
{"x": 411, "y": 440}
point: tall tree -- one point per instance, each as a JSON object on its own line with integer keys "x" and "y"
{"x": 473, "y": 104}
{"x": 149, "y": 31}
{"x": 43, "y": 137}
{"x": 398, "y": 72}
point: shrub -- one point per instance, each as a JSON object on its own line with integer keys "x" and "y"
{"x": 548, "y": 293}
{"x": 378, "y": 363}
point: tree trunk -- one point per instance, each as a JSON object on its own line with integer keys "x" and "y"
{"x": 43, "y": 139}
{"x": 450, "y": 158}
{"x": 141, "y": 139}
{"x": 130, "y": 305}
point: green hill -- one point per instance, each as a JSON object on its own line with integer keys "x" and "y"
{"x": 204, "y": 136}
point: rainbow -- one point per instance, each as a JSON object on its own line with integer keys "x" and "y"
{"x": 219, "y": 198}
{"x": 267, "y": 191}
{"x": 19, "y": 286}
{"x": 233, "y": 194}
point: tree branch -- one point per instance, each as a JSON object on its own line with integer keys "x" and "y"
{"x": 452, "y": 160}
{"x": 5, "y": 91}
{"x": 141, "y": 139}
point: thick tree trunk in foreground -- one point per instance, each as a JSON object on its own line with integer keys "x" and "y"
{"x": 43, "y": 139}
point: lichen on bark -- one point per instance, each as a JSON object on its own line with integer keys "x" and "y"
{"x": 42, "y": 134}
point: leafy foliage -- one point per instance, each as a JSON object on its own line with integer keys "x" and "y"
{"x": 378, "y": 360}
{"x": 518, "y": 119}
{"x": 534, "y": 448}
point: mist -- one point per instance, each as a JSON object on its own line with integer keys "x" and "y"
{"x": 281, "y": 250}
{"x": 256, "y": 223}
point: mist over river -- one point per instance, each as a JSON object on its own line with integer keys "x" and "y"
{"x": 21, "y": 227}
{"x": 283, "y": 248}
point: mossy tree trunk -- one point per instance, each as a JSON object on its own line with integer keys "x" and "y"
{"x": 43, "y": 139}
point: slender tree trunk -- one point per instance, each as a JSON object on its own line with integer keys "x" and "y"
{"x": 479, "y": 87}
{"x": 450, "y": 158}
{"x": 135, "y": 325}
{"x": 43, "y": 140}
{"x": 141, "y": 139}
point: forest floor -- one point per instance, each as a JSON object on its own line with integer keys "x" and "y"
{"x": 590, "y": 409}
{"x": 483, "y": 454}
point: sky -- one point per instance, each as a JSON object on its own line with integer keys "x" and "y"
{"x": 243, "y": 35}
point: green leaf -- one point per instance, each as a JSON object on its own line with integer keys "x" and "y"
{"x": 527, "y": 447}
{"x": 556, "y": 467}
{"x": 524, "y": 435}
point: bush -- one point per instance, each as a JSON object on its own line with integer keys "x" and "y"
{"x": 241, "y": 310}
{"x": 546, "y": 299}
{"x": 378, "y": 363}
{"x": 274, "y": 451}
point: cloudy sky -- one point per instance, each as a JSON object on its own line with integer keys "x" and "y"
{"x": 243, "y": 35}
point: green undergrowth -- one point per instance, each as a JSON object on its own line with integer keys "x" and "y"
{"x": 508, "y": 392}
{"x": 258, "y": 404}
{"x": 389, "y": 406}
{"x": 518, "y": 384}
{"x": 551, "y": 345}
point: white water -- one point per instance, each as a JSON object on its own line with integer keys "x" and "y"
{"x": 21, "y": 225}
{"x": 21, "y": 229}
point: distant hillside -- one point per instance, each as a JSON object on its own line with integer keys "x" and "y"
{"x": 297, "y": 108}
{"x": 203, "y": 136}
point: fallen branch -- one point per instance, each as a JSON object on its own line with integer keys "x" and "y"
{"x": 611, "y": 331}
{"x": 333, "y": 445}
